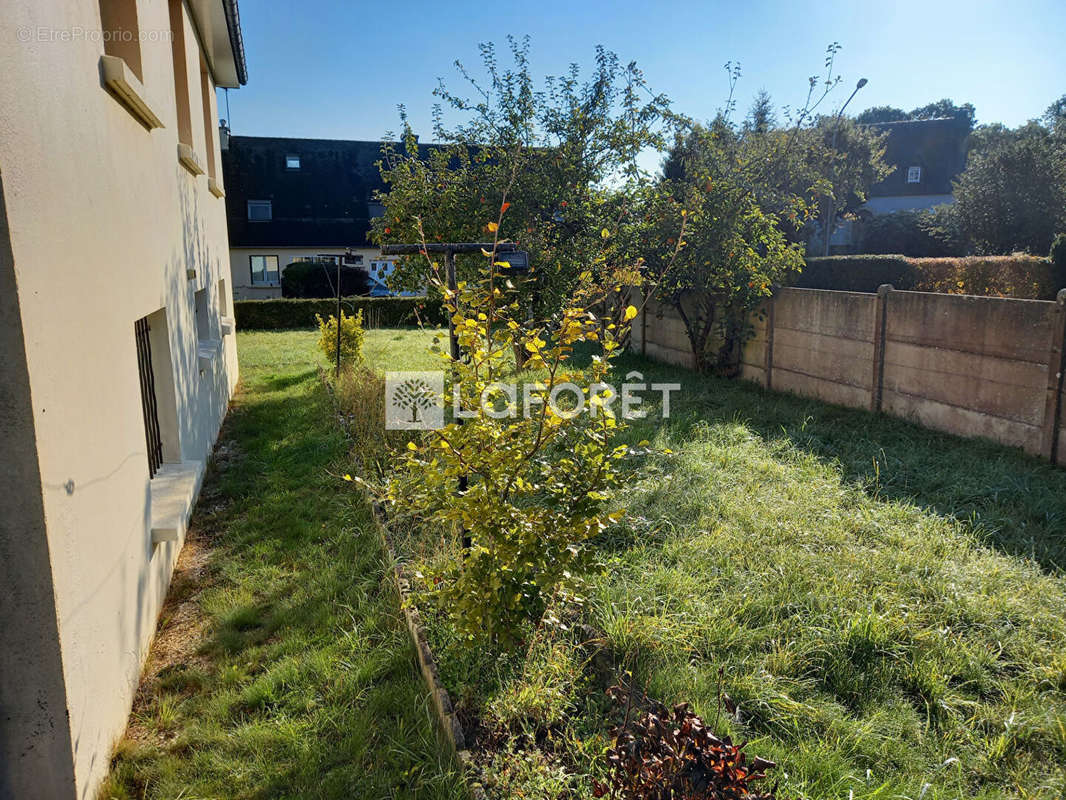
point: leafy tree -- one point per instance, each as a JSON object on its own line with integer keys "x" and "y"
{"x": 1055, "y": 117}
{"x": 761, "y": 117}
{"x": 729, "y": 250}
{"x": 940, "y": 109}
{"x": 946, "y": 109}
{"x": 743, "y": 197}
{"x": 881, "y": 114}
{"x": 566, "y": 151}
{"x": 1012, "y": 194}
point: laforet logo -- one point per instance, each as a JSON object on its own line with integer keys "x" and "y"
{"x": 415, "y": 400}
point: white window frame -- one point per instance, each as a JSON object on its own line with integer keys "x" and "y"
{"x": 267, "y": 204}
{"x": 914, "y": 174}
{"x": 265, "y": 272}
{"x": 292, "y": 162}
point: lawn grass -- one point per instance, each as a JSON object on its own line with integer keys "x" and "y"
{"x": 884, "y": 604}
{"x": 281, "y": 668}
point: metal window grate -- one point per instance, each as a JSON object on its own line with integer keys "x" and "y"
{"x": 152, "y": 436}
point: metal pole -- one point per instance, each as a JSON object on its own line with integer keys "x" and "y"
{"x": 453, "y": 286}
{"x": 338, "y": 317}
{"x": 832, "y": 205}
{"x": 449, "y": 276}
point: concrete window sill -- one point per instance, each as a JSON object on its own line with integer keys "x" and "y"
{"x": 214, "y": 188}
{"x": 173, "y": 494}
{"x": 207, "y": 353}
{"x": 188, "y": 159}
{"x": 128, "y": 90}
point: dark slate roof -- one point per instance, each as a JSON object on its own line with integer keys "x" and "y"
{"x": 938, "y": 146}
{"x": 326, "y": 202}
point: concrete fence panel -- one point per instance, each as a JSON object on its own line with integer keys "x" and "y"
{"x": 823, "y": 345}
{"x": 972, "y": 366}
{"x": 969, "y": 365}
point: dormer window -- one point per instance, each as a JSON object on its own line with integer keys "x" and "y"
{"x": 914, "y": 174}
{"x": 260, "y": 211}
{"x": 292, "y": 162}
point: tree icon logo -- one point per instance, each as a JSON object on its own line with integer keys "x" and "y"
{"x": 414, "y": 400}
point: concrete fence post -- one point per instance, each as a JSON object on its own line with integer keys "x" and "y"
{"x": 1056, "y": 365}
{"x": 877, "y": 377}
{"x": 769, "y": 366}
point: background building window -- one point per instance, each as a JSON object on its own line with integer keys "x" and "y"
{"x": 914, "y": 175}
{"x": 260, "y": 211}
{"x": 264, "y": 270}
{"x": 292, "y": 162}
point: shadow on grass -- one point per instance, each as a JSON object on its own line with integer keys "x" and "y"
{"x": 1013, "y": 501}
{"x": 306, "y": 684}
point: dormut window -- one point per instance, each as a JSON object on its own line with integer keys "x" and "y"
{"x": 206, "y": 90}
{"x": 260, "y": 211}
{"x": 264, "y": 270}
{"x": 181, "y": 71}
{"x": 292, "y": 162}
{"x": 121, "y": 33}
{"x": 914, "y": 175}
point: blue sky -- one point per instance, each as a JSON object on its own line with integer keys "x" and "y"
{"x": 338, "y": 69}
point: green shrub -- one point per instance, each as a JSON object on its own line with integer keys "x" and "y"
{"x": 378, "y": 312}
{"x": 315, "y": 279}
{"x": 911, "y": 233}
{"x": 1058, "y": 261}
{"x": 351, "y": 337}
{"x": 856, "y": 273}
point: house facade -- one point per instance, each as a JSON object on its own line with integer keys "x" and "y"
{"x": 299, "y": 200}
{"x": 117, "y": 358}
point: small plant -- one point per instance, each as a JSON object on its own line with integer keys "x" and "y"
{"x": 672, "y": 755}
{"x": 351, "y": 337}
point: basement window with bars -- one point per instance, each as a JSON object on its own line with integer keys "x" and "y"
{"x": 149, "y": 404}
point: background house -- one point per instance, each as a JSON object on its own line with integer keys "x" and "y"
{"x": 117, "y": 356}
{"x": 297, "y": 200}
{"x": 927, "y": 155}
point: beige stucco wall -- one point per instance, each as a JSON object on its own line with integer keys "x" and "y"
{"x": 102, "y": 223}
{"x": 241, "y": 270}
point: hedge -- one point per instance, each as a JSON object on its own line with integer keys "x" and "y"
{"x": 378, "y": 312}
{"x": 1019, "y": 275}
{"x": 316, "y": 280}
{"x": 856, "y": 273}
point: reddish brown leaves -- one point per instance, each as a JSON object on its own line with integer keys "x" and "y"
{"x": 671, "y": 755}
